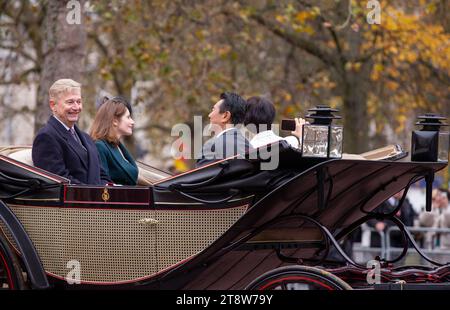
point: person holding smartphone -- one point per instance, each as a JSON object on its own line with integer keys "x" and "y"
{"x": 259, "y": 116}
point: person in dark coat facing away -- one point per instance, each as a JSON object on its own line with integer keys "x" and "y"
{"x": 112, "y": 122}
{"x": 60, "y": 146}
{"x": 228, "y": 112}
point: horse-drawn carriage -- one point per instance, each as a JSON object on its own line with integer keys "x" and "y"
{"x": 227, "y": 225}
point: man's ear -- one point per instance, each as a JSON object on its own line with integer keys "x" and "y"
{"x": 51, "y": 104}
{"x": 226, "y": 117}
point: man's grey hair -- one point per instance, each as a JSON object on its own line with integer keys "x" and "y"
{"x": 62, "y": 86}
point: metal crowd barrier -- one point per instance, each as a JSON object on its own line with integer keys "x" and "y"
{"x": 387, "y": 251}
{"x": 363, "y": 248}
{"x": 432, "y": 249}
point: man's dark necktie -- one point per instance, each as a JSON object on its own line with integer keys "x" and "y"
{"x": 75, "y": 136}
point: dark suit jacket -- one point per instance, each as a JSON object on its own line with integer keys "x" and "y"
{"x": 55, "y": 150}
{"x": 121, "y": 171}
{"x": 228, "y": 144}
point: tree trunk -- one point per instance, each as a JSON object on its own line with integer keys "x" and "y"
{"x": 356, "y": 123}
{"x": 64, "y": 47}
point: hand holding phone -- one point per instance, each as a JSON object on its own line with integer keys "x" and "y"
{"x": 298, "y": 132}
{"x": 295, "y": 126}
{"x": 288, "y": 124}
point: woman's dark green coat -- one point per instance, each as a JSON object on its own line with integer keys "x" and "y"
{"x": 121, "y": 171}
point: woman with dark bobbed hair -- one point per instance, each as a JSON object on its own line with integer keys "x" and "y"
{"x": 259, "y": 116}
{"x": 112, "y": 122}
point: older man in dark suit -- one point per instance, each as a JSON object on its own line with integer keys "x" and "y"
{"x": 60, "y": 146}
{"x": 228, "y": 112}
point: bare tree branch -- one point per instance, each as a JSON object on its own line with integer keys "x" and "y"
{"x": 105, "y": 52}
{"x": 293, "y": 38}
{"x": 19, "y": 50}
{"x": 439, "y": 74}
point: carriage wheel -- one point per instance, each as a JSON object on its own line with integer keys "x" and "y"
{"x": 298, "y": 278}
{"x": 11, "y": 277}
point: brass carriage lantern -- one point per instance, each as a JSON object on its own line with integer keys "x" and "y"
{"x": 321, "y": 138}
{"x": 430, "y": 143}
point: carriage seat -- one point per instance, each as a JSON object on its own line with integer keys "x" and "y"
{"x": 150, "y": 176}
{"x": 147, "y": 175}
{"x": 23, "y": 156}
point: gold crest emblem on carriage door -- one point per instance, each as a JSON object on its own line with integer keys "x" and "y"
{"x": 105, "y": 195}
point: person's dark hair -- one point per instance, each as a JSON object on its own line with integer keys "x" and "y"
{"x": 235, "y": 104}
{"x": 102, "y": 126}
{"x": 116, "y": 99}
{"x": 259, "y": 111}
{"x": 120, "y": 99}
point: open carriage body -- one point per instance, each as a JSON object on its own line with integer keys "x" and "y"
{"x": 228, "y": 225}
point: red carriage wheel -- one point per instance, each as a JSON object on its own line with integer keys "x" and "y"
{"x": 298, "y": 278}
{"x": 11, "y": 276}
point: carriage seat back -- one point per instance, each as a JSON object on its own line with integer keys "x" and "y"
{"x": 147, "y": 175}
{"x": 24, "y": 156}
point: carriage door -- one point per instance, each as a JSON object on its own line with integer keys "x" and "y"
{"x": 110, "y": 231}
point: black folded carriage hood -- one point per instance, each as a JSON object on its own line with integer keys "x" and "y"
{"x": 335, "y": 193}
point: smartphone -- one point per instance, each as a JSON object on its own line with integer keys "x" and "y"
{"x": 288, "y": 124}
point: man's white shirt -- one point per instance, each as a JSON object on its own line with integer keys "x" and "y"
{"x": 268, "y": 137}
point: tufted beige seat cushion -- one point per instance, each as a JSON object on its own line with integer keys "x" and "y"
{"x": 149, "y": 175}
{"x": 23, "y": 155}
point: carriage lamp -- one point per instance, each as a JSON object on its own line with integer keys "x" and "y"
{"x": 430, "y": 143}
{"x": 321, "y": 138}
